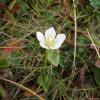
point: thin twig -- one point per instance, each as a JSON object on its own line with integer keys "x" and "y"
{"x": 93, "y": 43}
{"x": 12, "y": 4}
{"x": 23, "y": 87}
{"x": 7, "y": 35}
{"x": 75, "y": 23}
{"x": 75, "y": 45}
{"x": 13, "y": 47}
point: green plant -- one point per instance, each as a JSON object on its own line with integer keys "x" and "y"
{"x": 95, "y": 3}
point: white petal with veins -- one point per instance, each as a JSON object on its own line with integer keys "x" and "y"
{"x": 50, "y": 33}
{"x": 40, "y": 37}
{"x": 50, "y": 41}
{"x": 59, "y": 40}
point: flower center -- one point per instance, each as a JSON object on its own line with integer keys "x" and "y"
{"x": 49, "y": 42}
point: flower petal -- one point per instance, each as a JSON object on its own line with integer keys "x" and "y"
{"x": 50, "y": 33}
{"x": 59, "y": 40}
{"x": 43, "y": 45}
{"x": 40, "y": 37}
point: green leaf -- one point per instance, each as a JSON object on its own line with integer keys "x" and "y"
{"x": 3, "y": 62}
{"x": 97, "y": 75}
{"x": 95, "y": 3}
{"x": 5, "y": 1}
{"x": 45, "y": 81}
{"x": 53, "y": 57}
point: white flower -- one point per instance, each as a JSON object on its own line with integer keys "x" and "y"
{"x": 50, "y": 40}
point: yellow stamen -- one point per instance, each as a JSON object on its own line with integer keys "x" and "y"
{"x": 49, "y": 42}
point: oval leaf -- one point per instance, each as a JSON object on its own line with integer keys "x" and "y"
{"x": 53, "y": 57}
{"x": 45, "y": 81}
